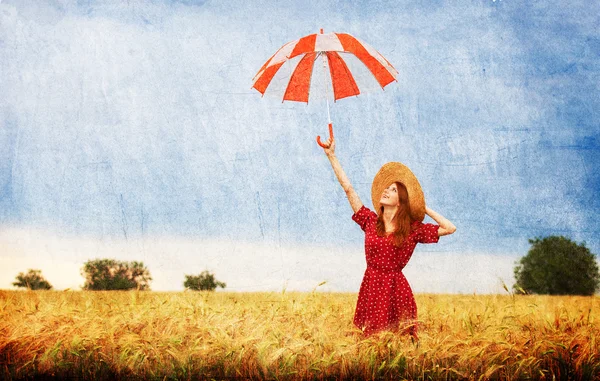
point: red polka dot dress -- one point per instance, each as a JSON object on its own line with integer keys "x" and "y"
{"x": 385, "y": 298}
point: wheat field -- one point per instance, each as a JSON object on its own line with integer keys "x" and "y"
{"x": 288, "y": 335}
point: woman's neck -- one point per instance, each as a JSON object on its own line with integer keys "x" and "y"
{"x": 388, "y": 218}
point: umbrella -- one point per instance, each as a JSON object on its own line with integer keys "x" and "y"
{"x": 336, "y": 51}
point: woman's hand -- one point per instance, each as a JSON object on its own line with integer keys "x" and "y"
{"x": 446, "y": 227}
{"x": 329, "y": 146}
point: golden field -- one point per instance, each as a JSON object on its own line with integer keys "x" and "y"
{"x": 289, "y": 335}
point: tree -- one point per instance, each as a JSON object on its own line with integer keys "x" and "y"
{"x": 110, "y": 274}
{"x": 33, "y": 280}
{"x": 203, "y": 282}
{"x": 557, "y": 266}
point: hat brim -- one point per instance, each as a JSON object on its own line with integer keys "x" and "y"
{"x": 397, "y": 172}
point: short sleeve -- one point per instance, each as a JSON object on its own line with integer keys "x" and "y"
{"x": 428, "y": 233}
{"x": 364, "y": 217}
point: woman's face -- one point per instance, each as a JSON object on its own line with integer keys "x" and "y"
{"x": 390, "y": 196}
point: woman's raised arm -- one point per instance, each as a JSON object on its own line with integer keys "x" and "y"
{"x": 329, "y": 148}
{"x": 446, "y": 227}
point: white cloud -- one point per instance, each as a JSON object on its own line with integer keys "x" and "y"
{"x": 447, "y": 272}
{"x": 60, "y": 274}
{"x": 245, "y": 266}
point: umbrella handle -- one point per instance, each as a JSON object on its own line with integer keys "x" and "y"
{"x": 330, "y": 136}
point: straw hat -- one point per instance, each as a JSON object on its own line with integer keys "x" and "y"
{"x": 397, "y": 172}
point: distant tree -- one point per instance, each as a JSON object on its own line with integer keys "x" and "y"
{"x": 110, "y": 274}
{"x": 204, "y": 282}
{"x": 33, "y": 280}
{"x": 556, "y": 265}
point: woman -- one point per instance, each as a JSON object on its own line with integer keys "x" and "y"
{"x": 385, "y": 299}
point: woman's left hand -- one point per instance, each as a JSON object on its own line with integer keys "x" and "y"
{"x": 446, "y": 227}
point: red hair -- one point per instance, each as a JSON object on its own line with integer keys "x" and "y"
{"x": 402, "y": 219}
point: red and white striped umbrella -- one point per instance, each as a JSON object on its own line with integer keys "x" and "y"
{"x": 342, "y": 53}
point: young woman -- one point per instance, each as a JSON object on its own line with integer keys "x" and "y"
{"x": 385, "y": 299}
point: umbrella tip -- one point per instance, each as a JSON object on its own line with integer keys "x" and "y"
{"x": 321, "y": 30}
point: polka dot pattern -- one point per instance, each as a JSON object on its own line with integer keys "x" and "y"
{"x": 385, "y": 299}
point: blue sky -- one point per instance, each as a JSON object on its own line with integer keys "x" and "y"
{"x": 129, "y": 130}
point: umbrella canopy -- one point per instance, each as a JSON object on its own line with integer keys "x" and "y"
{"x": 329, "y": 45}
{"x": 337, "y": 51}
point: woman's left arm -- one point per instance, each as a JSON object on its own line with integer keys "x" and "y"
{"x": 446, "y": 227}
